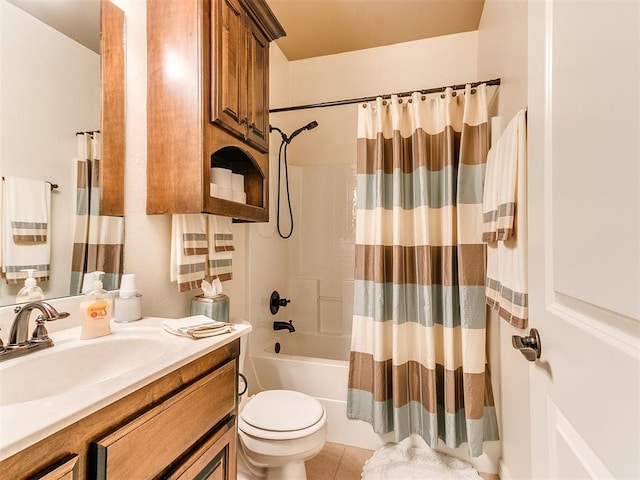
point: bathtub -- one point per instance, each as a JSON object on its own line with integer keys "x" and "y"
{"x": 330, "y": 347}
{"x": 302, "y": 365}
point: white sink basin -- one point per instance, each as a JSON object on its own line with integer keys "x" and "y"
{"x": 74, "y": 364}
{"x": 43, "y": 392}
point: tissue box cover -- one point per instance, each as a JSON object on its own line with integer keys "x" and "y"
{"x": 216, "y": 308}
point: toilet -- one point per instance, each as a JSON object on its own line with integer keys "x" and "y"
{"x": 278, "y": 430}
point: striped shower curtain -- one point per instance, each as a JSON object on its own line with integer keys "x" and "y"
{"x": 99, "y": 240}
{"x": 418, "y": 362}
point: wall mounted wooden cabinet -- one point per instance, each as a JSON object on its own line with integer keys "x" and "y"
{"x": 207, "y": 105}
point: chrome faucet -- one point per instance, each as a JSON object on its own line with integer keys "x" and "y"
{"x": 19, "y": 342}
{"x": 284, "y": 326}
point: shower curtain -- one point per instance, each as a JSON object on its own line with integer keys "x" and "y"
{"x": 417, "y": 362}
{"x": 99, "y": 239}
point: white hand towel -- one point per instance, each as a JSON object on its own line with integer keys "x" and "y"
{"x": 188, "y": 268}
{"x": 507, "y": 289}
{"x": 219, "y": 264}
{"x": 27, "y": 208}
{"x": 194, "y": 234}
{"x": 17, "y": 256}
{"x": 196, "y": 326}
{"x": 500, "y": 188}
{"x": 222, "y": 234}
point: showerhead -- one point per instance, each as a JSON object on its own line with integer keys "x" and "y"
{"x": 308, "y": 126}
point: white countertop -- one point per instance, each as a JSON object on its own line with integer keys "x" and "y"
{"x": 24, "y": 423}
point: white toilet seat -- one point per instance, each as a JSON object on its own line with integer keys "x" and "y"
{"x": 281, "y": 415}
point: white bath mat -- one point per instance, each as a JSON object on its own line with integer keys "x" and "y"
{"x": 397, "y": 462}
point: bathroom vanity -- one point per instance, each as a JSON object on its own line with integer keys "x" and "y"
{"x": 167, "y": 409}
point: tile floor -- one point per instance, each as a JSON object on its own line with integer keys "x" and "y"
{"x": 337, "y": 462}
{"x": 341, "y": 462}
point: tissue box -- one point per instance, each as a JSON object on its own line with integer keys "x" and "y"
{"x": 216, "y": 308}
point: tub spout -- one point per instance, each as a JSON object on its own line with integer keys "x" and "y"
{"x": 284, "y": 326}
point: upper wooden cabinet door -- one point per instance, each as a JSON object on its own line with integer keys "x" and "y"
{"x": 257, "y": 87}
{"x": 112, "y": 38}
{"x": 240, "y": 73}
{"x": 228, "y": 50}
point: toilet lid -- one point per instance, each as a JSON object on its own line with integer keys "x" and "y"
{"x": 282, "y": 411}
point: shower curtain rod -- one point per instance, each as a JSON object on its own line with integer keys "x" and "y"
{"x": 460, "y": 86}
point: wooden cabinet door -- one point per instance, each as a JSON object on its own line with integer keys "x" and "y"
{"x": 213, "y": 459}
{"x": 228, "y": 51}
{"x": 257, "y": 87}
{"x": 112, "y": 58}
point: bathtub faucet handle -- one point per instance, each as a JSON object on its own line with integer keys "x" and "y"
{"x": 277, "y": 325}
{"x": 275, "y": 302}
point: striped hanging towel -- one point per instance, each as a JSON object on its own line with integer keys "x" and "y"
{"x": 506, "y": 286}
{"x": 25, "y": 230}
{"x": 222, "y": 235}
{"x": 188, "y": 266}
{"x": 219, "y": 262}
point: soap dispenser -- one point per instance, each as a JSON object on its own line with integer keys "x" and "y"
{"x": 30, "y": 292}
{"x": 96, "y": 310}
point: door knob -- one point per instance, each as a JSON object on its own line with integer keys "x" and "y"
{"x": 529, "y": 346}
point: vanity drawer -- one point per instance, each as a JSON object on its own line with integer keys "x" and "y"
{"x": 67, "y": 469}
{"x": 214, "y": 458}
{"x": 148, "y": 444}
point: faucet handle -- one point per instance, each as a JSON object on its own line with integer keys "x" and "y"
{"x": 40, "y": 333}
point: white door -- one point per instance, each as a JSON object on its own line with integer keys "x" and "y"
{"x": 584, "y": 246}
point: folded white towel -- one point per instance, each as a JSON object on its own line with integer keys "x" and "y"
{"x": 196, "y": 326}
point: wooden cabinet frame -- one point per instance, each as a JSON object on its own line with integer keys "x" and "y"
{"x": 222, "y": 47}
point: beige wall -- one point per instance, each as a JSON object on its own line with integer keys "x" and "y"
{"x": 502, "y": 52}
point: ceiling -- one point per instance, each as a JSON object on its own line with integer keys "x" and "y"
{"x": 78, "y": 19}
{"x": 314, "y": 27}
{"x": 325, "y": 27}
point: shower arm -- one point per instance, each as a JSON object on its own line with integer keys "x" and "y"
{"x": 287, "y": 140}
{"x": 282, "y": 134}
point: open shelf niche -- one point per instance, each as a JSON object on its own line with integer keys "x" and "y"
{"x": 240, "y": 161}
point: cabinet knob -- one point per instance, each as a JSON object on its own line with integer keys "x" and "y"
{"x": 252, "y": 127}
{"x": 244, "y": 121}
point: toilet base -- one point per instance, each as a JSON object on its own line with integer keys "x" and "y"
{"x": 295, "y": 470}
{"x": 287, "y": 472}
